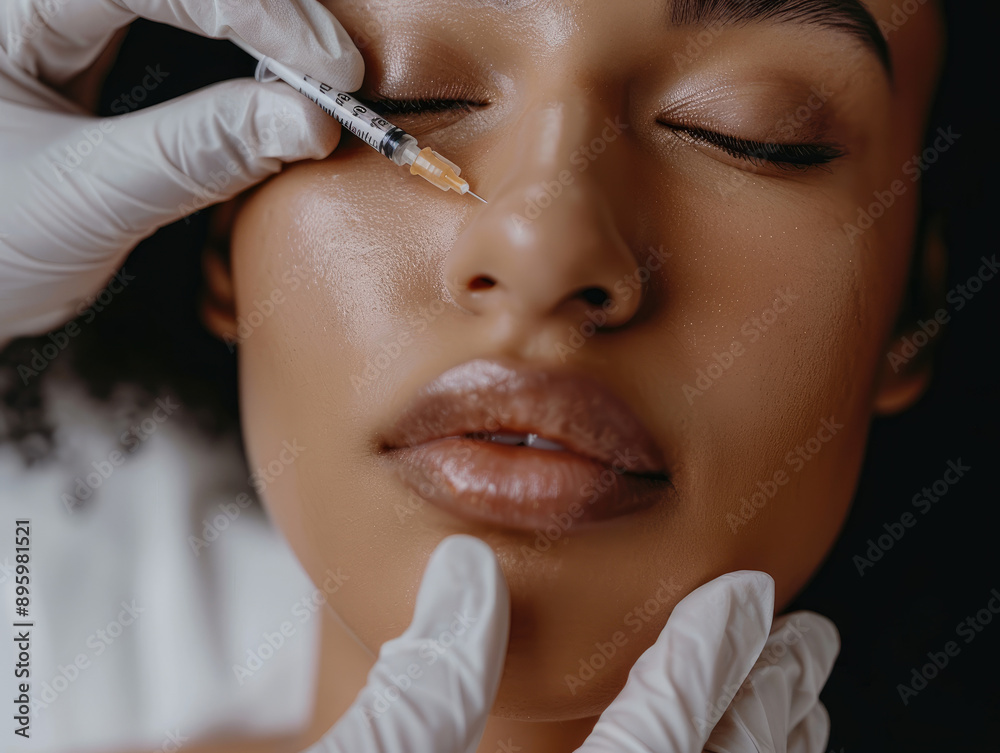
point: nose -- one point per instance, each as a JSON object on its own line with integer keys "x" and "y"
{"x": 548, "y": 243}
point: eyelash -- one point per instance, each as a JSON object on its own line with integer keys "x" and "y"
{"x": 760, "y": 153}
{"x": 420, "y": 106}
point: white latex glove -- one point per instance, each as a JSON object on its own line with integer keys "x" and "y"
{"x": 716, "y": 681}
{"x": 778, "y": 708}
{"x": 463, "y": 602}
{"x": 673, "y": 699}
{"x": 77, "y": 193}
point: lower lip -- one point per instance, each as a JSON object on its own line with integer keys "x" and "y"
{"x": 521, "y": 487}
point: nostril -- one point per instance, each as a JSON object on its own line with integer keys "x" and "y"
{"x": 482, "y": 283}
{"x": 594, "y": 296}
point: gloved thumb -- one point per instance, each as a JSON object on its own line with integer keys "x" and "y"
{"x": 157, "y": 165}
{"x": 432, "y": 687}
{"x": 680, "y": 686}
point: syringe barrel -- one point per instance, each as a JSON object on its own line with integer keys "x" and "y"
{"x": 400, "y": 147}
{"x": 350, "y": 112}
{"x": 358, "y": 118}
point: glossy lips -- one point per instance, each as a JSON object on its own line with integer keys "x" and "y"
{"x": 589, "y": 458}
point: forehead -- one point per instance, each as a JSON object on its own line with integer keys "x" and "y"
{"x": 902, "y": 34}
{"x": 467, "y": 38}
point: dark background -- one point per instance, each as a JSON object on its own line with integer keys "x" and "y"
{"x": 909, "y": 603}
{"x": 942, "y": 570}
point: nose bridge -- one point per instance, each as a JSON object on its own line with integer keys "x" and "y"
{"x": 548, "y": 240}
{"x": 568, "y": 172}
{"x": 548, "y": 137}
{"x": 574, "y": 133}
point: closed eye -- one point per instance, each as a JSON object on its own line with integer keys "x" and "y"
{"x": 414, "y": 106}
{"x": 420, "y": 116}
{"x": 760, "y": 153}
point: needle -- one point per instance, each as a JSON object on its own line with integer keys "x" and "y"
{"x": 477, "y": 196}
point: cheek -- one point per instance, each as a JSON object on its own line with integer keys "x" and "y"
{"x": 777, "y": 325}
{"x": 352, "y": 252}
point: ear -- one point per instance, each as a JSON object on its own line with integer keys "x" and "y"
{"x": 218, "y": 300}
{"x": 906, "y": 369}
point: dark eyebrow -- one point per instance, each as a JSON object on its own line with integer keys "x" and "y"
{"x": 847, "y": 16}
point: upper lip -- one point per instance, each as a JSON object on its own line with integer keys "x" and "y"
{"x": 481, "y": 397}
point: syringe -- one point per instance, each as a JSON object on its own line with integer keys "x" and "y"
{"x": 357, "y": 117}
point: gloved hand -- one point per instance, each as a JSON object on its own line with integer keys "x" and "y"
{"x": 78, "y": 193}
{"x": 778, "y": 709}
{"x": 675, "y": 695}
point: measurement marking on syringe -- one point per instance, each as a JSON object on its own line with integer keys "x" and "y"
{"x": 381, "y": 135}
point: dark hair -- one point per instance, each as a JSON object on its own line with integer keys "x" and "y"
{"x": 149, "y": 335}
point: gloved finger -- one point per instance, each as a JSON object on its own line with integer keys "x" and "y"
{"x": 803, "y": 650}
{"x": 812, "y": 734}
{"x": 115, "y": 181}
{"x": 431, "y": 688}
{"x": 165, "y": 162}
{"x": 782, "y": 692}
{"x": 55, "y": 39}
{"x": 682, "y": 684}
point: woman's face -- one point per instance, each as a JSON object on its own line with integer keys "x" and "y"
{"x": 692, "y": 318}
